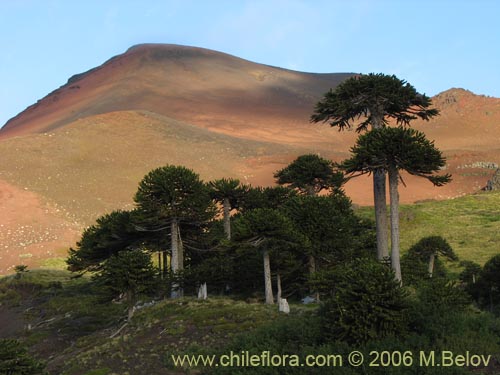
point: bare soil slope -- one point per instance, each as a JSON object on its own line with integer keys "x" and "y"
{"x": 80, "y": 151}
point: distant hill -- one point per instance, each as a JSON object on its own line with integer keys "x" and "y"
{"x": 81, "y": 151}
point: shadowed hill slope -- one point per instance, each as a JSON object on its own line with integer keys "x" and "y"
{"x": 206, "y": 88}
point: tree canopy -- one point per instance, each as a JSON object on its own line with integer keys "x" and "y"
{"x": 112, "y": 233}
{"x": 401, "y": 148}
{"x": 374, "y": 98}
{"x": 310, "y": 174}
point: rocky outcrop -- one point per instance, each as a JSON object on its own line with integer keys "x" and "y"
{"x": 494, "y": 183}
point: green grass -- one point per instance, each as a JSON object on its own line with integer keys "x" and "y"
{"x": 54, "y": 263}
{"x": 170, "y": 326}
{"x": 471, "y": 224}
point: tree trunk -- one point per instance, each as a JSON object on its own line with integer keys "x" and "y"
{"x": 180, "y": 258}
{"x": 267, "y": 278}
{"x": 174, "y": 260}
{"x": 379, "y": 196}
{"x": 278, "y": 284}
{"x": 379, "y": 199}
{"x": 312, "y": 270}
{"x": 312, "y": 264}
{"x": 393, "y": 189}
{"x": 227, "y": 217}
{"x": 431, "y": 264}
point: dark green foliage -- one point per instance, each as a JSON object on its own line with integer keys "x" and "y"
{"x": 129, "y": 272}
{"x": 175, "y": 192}
{"x": 264, "y": 226}
{"x": 487, "y": 291}
{"x": 334, "y": 233}
{"x": 470, "y": 273}
{"x": 438, "y": 307}
{"x": 469, "y": 277}
{"x": 269, "y": 197}
{"x": 270, "y": 230}
{"x": 367, "y": 303}
{"x": 400, "y": 148}
{"x": 229, "y": 188}
{"x": 436, "y": 245}
{"x": 370, "y": 96}
{"x": 415, "y": 268}
{"x": 310, "y": 174}
{"x": 112, "y": 233}
{"x": 415, "y": 263}
{"x": 15, "y": 360}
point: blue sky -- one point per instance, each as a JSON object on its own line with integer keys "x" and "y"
{"x": 433, "y": 44}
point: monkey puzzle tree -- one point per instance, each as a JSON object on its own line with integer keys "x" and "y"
{"x": 430, "y": 248}
{"x": 129, "y": 272}
{"x": 310, "y": 174}
{"x": 266, "y": 229}
{"x": 329, "y": 224}
{"x": 228, "y": 192}
{"x": 111, "y": 234}
{"x": 373, "y": 100}
{"x": 394, "y": 149}
{"x": 269, "y": 197}
{"x": 175, "y": 195}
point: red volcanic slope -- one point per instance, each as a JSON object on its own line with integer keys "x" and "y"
{"x": 202, "y": 87}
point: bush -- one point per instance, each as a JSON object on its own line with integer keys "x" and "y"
{"x": 487, "y": 291}
{"x": 367, "y": 303}
{"x": 438, "y": 308}
{"x": 15, "y": 360}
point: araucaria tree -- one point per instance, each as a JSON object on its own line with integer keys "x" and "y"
{"x": 371, "y": 101}
{"x": 175, "y": 195}
{"x": 128, "y": 272}
{"x": 310, "y": 174}
{"x": 391, "y": 150}
{"x": 228, "y": 192}
{"x": 111, "y": 234}
{"x": 266, "y": 229}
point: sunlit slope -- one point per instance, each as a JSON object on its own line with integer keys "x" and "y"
{"x": 94, "y": 165}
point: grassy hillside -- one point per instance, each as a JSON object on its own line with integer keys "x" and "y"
{"x": 471, "y": 224}
{"x": 72, "y": 326}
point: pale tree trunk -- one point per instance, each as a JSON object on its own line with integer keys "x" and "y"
{"x": 431, "y": 264}
{"x": 180, "y": 258}
{"x": 312, "y": 264}
{"x": 227, "y": 217}
{"x": 379, "y": 197}
{"x": 312, "y": 270}
{"x": 393, "y": 189}
{"x": 174, "y": 260}
{"x": 267, "y": 278}
{"x": 278, "y": 284}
